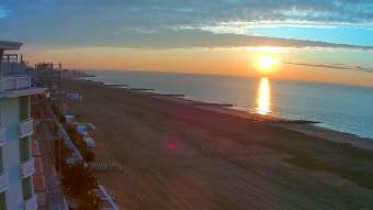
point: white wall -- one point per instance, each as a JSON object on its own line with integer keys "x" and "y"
{"x": 11, "y": 152}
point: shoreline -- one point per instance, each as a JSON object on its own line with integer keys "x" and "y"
{"x": 307, "y": 127}
{"x": 179, "y": 155}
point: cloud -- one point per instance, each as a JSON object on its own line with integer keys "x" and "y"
{"x": 333, "y": 66}
{"x": 162, "y": 23}
{"x": 198, "y": 38}
{"x": 167, "y": 39}
{"x": 196, "y": 12}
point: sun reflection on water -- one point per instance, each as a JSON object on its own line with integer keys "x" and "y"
{"x": 264, "y": 97}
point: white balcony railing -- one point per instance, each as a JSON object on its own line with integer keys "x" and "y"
{"x": 2, "y": 136}
{"x": 15, "y": 83}
{"x": 107, "y": 202}
{"x": 27, "y": 168}
{"x": 32, "y": 203}
{"x": 4, "y": 182}
{"x": 26, "y": 128}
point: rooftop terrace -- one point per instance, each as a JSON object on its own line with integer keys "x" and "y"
{"x": 15, "y": 80}
{"x": 7, "y": 45}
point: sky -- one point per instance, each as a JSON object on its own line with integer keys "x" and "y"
{"x": 316, "y": 40}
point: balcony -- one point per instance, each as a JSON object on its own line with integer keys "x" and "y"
{"x": 32, "y": 203}
{"x": 2, "y": 136}
{"x": 26, "y": 128}
{"x": 4, "y": 183}
{"x": 17, "y": 86}
{"x": 12, "y": 83}
{"x": 27, "y": 168}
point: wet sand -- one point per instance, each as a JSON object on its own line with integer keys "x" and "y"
{"x": 183, "y": 156}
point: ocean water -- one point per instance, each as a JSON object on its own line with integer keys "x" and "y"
{"x": 338, "y": 107}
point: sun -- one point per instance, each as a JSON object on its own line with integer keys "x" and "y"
{"x": 266, "y": 63}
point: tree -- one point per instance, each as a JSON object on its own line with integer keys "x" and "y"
{"x": 88, "y": 155}
{"x": 77, "y": 180}
{"x": 89, "y": 201}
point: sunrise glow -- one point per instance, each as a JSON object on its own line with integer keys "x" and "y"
{"x": 266, "y": 63}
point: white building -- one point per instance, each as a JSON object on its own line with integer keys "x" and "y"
{"x": 16, "y": 129}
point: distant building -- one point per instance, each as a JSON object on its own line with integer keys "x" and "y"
{"x": 46, "y": 76}
{"x": 16, "y": 129}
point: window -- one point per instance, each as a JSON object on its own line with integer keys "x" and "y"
{"x": 25, "y": 149}
{"x": 24, "y": 108}
{"x": 2, "y": 201}
{"x": 1, "y": 161}
{"x": 27, "y": 188}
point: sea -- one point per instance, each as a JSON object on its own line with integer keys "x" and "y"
{"x": 338, "y": 107}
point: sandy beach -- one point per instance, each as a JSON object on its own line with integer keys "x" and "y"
{"x": 180, "y": 155}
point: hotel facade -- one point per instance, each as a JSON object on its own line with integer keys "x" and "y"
{"x": 16, "y": 130}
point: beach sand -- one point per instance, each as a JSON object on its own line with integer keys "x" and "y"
{"x": 182, "y": 156}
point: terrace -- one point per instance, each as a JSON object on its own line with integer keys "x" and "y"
{"x": 15, "y": 80}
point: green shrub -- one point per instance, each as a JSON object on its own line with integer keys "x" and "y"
{"x": 88, "y": 155}
{"x": 89, "y": 201}
{"x": 80, "y": 144}
{"x": 77, "y": 180}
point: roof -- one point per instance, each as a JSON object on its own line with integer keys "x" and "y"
{"x": 7, "y": 45}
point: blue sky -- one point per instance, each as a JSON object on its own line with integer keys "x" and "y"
{"x": 344, "y": 34}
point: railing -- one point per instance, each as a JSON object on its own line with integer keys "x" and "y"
{"x": 27, "y": 168}
{"x": 68, "y": 142}
{"x": 26, "y": 128}
{"x": 4, "y": 182}
{"x": 32, "y": 203}
{"x": 10, "y": 58}
{"x": 2, "y": 136}
{"x": 15, "y": 83}
{"x": 107, "y": 202}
